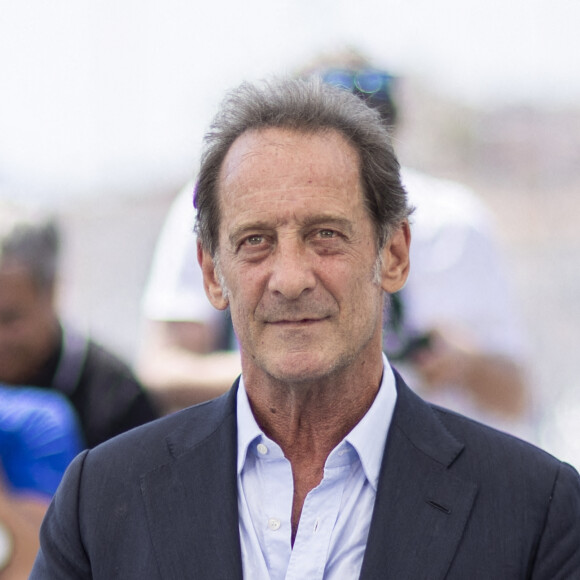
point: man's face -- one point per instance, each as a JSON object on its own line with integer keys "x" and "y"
{"x": 297, "y": 255}
{"x": 27, "y": 325}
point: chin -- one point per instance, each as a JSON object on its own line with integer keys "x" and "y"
{"x": 302, "y": 367}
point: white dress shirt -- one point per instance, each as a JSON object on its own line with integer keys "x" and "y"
{"x": 335, "y": 520}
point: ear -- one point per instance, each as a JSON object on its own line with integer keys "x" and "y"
{"x": 395, "y": 268}
{"x": 211, "y": 283}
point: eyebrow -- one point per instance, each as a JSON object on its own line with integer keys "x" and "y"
{"x": 331, "y": 220}
{"x": 342, "y": 223}
{"x": 242, "y": 229}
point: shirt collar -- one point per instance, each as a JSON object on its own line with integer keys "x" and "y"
{"x": 367, "y": 438}
{"x": 369, "y": 435}
{"x": 248, "y": 428}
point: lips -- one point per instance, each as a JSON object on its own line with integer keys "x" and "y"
{"x": 294, "y": 320}
{"x": 301, "y": 321}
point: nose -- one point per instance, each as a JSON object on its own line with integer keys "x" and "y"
{"x": 292, "y": 271}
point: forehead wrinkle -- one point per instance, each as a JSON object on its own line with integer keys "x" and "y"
{"x": 248, "y": 168}
{"x": 235, "y": 161}
{"x": 261, "y": 142}
{"x": 273, "y": 141}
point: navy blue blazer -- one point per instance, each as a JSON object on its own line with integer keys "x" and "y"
{"x": 456, "y": 500}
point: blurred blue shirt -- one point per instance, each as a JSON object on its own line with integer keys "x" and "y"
{"x": 39, "y": 437}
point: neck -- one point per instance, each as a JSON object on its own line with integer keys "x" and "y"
{"x": 313, "y": 416}
{"x": 309, "y": 419}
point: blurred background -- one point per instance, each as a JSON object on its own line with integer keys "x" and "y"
{"x": 103, "y": 105}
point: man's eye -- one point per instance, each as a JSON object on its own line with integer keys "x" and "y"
{"x": 327, "y": 233}
{"x": 254, "y": 240}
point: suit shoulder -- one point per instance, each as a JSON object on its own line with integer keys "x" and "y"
{"x": 495, "y": 453}
{"x": 159, "y": 440}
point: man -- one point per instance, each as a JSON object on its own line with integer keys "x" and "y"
{"x": 320, "y": 462}
{"x": 453, "y": 328}
{"x": 37, "y": 349}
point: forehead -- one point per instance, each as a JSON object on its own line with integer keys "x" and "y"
{"x": 281, "y": 160}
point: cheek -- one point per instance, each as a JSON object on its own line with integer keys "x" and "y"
{"x": 362, "y": 298}
{"x": 354, "y": 279}
{"x": 35, "y": 332}
{"x": 27, "y": 339}
{"x": 245, "y": 283}
{"x": 244, "y": 295}
{"x": 18, "y": 349}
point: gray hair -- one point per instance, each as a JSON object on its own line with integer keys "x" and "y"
{"x": 310, "y": 106}
{"x": 30, "y": 238}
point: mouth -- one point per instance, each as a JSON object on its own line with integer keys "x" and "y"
{"x": 296, "y": 322}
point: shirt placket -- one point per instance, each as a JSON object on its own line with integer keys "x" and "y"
{"x": 274, "y": 525}
{"x": 317, "y": 521}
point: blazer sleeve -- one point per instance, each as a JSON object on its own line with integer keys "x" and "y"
{"x": 61, "y": 555}
{"x": 558, "y": 554}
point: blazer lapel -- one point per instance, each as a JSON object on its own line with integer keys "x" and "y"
{"x": 191, "y": 502}
{"x": 421, "y": 508}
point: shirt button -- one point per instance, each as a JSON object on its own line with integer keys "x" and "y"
{"x": 262, "y": 449}
{"x": 274, "y": 524}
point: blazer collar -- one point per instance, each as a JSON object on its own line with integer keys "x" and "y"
{"x": 421, "y": 507}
